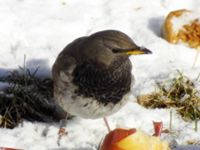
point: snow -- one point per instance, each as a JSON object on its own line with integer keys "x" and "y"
{"x": 39, "y": 30}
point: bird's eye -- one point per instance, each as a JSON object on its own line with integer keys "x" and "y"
{"x": 115, "y": 50}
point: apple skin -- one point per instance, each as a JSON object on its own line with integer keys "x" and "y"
{"x": 115, "y": 136}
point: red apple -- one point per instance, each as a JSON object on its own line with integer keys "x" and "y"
{"x": 115, "y": 136}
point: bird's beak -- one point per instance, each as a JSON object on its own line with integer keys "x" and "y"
{"x": 133, "y": 51}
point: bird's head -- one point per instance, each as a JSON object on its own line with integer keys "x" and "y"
{"x": 106, "y": 46}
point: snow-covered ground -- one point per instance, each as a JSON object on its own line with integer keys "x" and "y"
{"x": 41, "y": 29}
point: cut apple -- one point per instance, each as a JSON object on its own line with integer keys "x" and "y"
{"x": 142, "y": 141}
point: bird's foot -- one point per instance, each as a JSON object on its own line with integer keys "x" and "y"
{"x": 61, "y": 133}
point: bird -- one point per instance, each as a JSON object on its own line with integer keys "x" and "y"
{"x": 92, "y": 74}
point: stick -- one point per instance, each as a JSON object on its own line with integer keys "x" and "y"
{"x": 196, "y": 125}
{"x": 196, "y": 57}
{"x": 170, "y": 120}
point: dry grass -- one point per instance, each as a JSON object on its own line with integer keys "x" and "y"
{"x": 180, "y": 93}
{"x": 28, "y": 97}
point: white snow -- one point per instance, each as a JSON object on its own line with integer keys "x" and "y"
{"x": 41, "y": 29}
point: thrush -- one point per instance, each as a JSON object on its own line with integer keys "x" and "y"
{"x": 92, "y": 75}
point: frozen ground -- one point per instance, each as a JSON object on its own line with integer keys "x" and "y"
{"x": 41, "y": 29}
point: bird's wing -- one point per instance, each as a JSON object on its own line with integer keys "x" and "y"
{"x": 63, "y": 67}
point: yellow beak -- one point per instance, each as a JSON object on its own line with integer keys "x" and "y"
{"x": 133, "y": 51}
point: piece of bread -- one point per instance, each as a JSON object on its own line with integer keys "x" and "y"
{"x": 182, "y": 26}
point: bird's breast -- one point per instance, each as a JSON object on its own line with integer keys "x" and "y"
{"x": 105, "y": 85}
